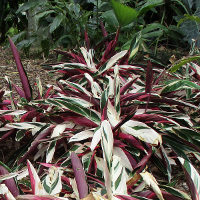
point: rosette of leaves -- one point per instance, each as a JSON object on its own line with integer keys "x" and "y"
{"x": 119, "y": 120}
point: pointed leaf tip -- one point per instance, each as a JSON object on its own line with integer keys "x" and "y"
{"x": 22, "y": 73}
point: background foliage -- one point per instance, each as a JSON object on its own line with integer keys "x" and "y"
{"x": 62, "y": 23}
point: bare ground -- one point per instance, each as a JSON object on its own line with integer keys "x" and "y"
{"x": 32, "y": 66}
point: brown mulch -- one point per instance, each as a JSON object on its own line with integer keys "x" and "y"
{"x": 32, "y": 66}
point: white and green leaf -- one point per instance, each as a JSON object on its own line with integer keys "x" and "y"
{"x": 194, "y": 175}
{"x": 151, "y": 182}
{"x": 142, "y": 132}
{"x": 52, "y": 182}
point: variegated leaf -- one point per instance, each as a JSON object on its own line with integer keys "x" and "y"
{"x": 88, "y": 56}
{"x": 104, "y": 99}
{"x": 117, "y": 90}
{"x": 107, "y": 146}
{"x": 112, "y": 114}
{"x": 119, "y": 176}
{"x": 113, "y": 60}
{"x": 58, "y": 130}
{"x": 194, "y": 175}
{"x": 96, "y": 138}
{"x": 96, "y": 89}
{"x": 141, "y": 131}
{"x": 124, "y": 160}
{"x": 36, "y": 184}
{"x": 86, "y": 112}
{"x": 76, "y": 87}
{"x": 52, "y": 182}
{"x": 111, "y": 86}
{"x": 151, "y": 182}
{"x": 26, "y": 125}
{"x": 4, "y": 191}
{"x": 12, "y": 112}
{"x": 82, "y": 135}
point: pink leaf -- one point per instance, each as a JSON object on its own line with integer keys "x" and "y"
{"x": 79, "y": 176}
{"x": 127, "y": 86}
{"x": 131, "y": 140}
{"x": 36, "y": 184}
{"x": 149, "y": 78}
{"x": 22, "y": 73}
{"x": 10, "y": 183}
{"x": 87, "y": 40}
{"x": 36, "y": 142}
{"x": 19, "y": 91}
{"x": 9, "y": 133}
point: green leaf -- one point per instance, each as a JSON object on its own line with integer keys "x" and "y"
{"x": 19, "y": 135}
{"x": 29, "y": 5}
{"x": 189, "y": 26}
{"x": 179, "y": 85}
{"x": 149, "y": 5}
{"x": 182, "y": 62}
{"x": 125, "y": 14}
{"x": 104, "y": 99}
{"x": 110, "y": 18}
{"x": 56, "y": 23}
{"x": 43, "y": 14}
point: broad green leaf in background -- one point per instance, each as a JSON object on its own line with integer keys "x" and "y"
{"x": 56, "y": 23}
{"x": 125, "y": 14}
{"x": 110, "y": 18}
{"x": 149, "y": 5}
{"x": 190, "y": 27}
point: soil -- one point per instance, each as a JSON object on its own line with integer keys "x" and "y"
{"x": 32, "y": 66}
